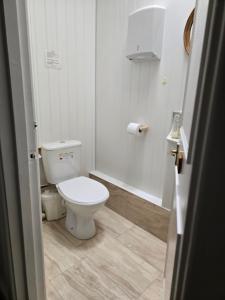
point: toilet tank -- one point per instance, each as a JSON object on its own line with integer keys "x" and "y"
{"x": 61, "y": 160}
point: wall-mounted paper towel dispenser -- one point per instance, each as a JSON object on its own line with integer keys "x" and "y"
{"x": 145, "y": 33}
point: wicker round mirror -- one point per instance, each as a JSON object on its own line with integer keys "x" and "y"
{"x": 188, "y": 31}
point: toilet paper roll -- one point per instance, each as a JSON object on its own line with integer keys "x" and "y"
{"x": 134, "y": 128}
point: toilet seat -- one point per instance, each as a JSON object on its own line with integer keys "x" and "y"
{"x": 83, "y": 190}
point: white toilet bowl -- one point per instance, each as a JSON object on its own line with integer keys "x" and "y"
{"x": 83, "y": 197}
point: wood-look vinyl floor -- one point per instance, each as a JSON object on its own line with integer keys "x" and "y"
{"x": 122, "y": 261}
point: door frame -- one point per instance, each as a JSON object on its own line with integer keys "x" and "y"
{"x": 20, "y": 126}
{"x": 200, "y": 270}
{"x": 13, "y": 273}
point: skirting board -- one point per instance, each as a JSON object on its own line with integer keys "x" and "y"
{"x": 146, "y": 215}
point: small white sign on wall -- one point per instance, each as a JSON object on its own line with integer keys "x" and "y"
{"x": 52, "y": 60}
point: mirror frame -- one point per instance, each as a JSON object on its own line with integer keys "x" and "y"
{"x": 187, "y": 32}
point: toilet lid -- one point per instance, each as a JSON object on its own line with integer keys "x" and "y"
{"x": 83, "y": 190}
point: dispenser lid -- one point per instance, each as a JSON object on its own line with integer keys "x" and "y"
{"x": 83, "y": 190}
{"x": 60, "y": 145}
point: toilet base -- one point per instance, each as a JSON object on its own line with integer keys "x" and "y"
{"x": 80, "y": 226}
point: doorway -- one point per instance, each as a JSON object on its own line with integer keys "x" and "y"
{"x": 53, "y": 231}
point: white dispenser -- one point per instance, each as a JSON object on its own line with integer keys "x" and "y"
{"x": 145, "y": 33}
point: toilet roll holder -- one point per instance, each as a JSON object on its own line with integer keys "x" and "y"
{"x": 143, "y": 128}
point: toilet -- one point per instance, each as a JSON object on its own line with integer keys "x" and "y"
{"x": 83, "y": 196}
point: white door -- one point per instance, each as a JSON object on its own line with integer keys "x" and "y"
{"x": 26, "y": 145}
{"x": 182, "y": 178}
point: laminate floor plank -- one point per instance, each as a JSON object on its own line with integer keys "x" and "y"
{"x": 122, "y": 261}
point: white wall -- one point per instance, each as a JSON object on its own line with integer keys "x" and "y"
{"x": 128, "y": 91}
{"x": 65, "y": 98}
{"x": 125, "y": 91}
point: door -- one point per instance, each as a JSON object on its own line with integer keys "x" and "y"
{"x": 182, "y": 155}
{"x": 25, "y": 158}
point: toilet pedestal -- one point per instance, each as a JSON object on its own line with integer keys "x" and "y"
{"x": 80, "y": 226}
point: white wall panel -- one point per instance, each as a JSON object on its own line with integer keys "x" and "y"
{"x": 65, "y": 98}
{"x": 138, "y": 92}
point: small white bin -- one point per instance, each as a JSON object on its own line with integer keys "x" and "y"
{"x": 52, "y": 204}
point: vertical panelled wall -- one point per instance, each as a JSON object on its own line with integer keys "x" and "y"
{"x": 64, "y": 93}
{"x": 137, "y": 92}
